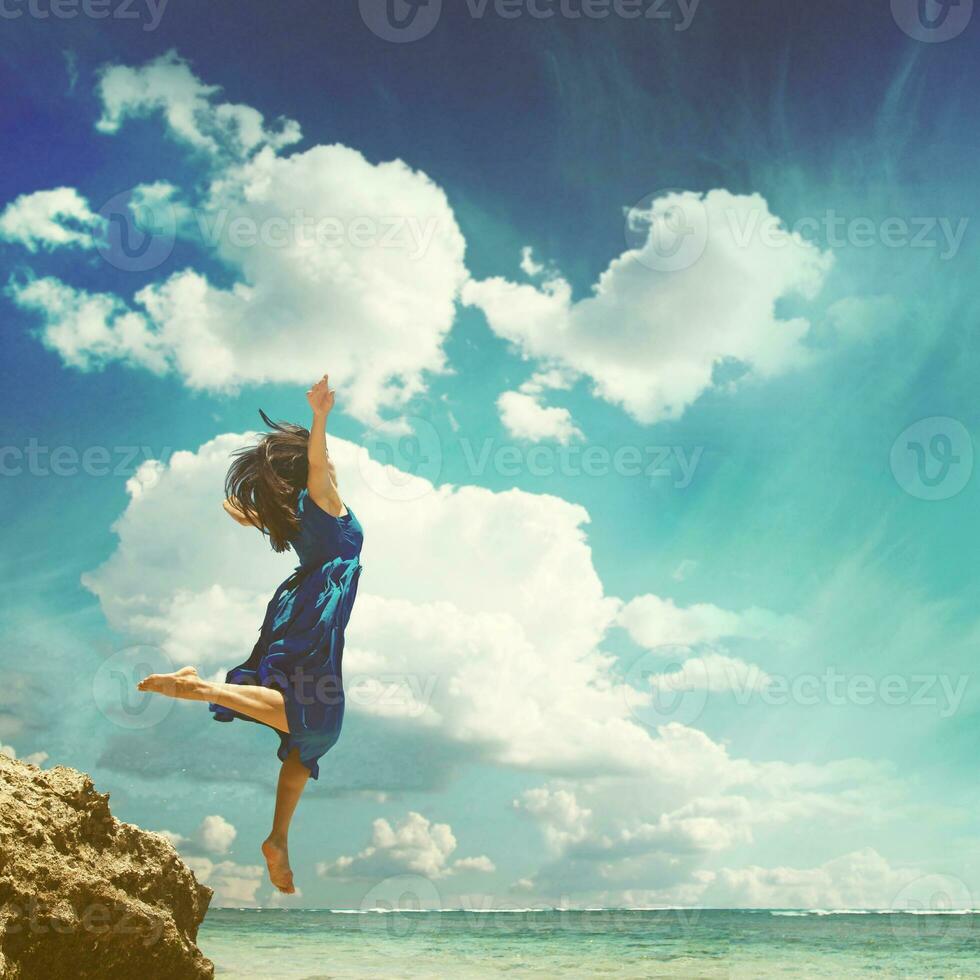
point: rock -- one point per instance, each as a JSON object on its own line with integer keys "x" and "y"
{"x": 83, "y": 894}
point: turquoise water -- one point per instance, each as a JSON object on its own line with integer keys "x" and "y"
{"x": 315, "y": 945}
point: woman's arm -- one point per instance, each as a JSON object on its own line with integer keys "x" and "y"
{"x": 235, "y": 512}
{"x": 322, "y": 478}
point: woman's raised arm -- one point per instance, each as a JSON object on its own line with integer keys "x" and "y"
{"x": 322, "y": 478}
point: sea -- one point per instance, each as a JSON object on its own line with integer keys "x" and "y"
{"x": 317, "y": 944}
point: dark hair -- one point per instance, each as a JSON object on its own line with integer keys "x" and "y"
{"x": 265, "y": 480}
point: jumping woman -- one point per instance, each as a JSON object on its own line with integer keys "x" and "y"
{"x": 286, "y": 486}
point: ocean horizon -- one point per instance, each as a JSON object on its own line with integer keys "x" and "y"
{"x": 314, "y": 944}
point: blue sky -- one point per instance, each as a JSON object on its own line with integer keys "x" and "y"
{"x": 615, "y": 683}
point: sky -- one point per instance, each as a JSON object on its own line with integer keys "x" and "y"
{"x": 653, "y": 340}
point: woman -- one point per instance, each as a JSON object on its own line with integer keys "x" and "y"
{"x": 286, "y": 486}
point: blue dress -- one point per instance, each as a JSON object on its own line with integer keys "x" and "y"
{"x": 301, "y": 645}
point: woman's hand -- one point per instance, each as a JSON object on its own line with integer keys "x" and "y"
{"x": 231, "y": 509}
{"x": 321, "y": 478}
{"x": 321, "y": 397}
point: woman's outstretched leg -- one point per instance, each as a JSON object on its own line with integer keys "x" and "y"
{"x": 293, "y": 777}
{"x": 264, "y": 704}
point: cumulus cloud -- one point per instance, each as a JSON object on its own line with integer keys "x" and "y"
{"x": 653, "y": 332}
{"x": 178, "y": 840}
{"x": 414, "y": 846}
{"x": 469, "y": 654}
{"x": 50, "y": 219}
{"x": 859, "y": 880}
{"x": 563, "y": 820}
{"x": 234, "y": 885}
{"x": 696, "y": 801}
{"x": 712, "y": 672}
{"x": 281, "y": 900}
{"x": 24, "y": 702}
{"x": 481, "y": 863}
{"x": 653, "y": 621}
{"x": 191, "y": 109}
{"x": 526, "y": 417}
{"x": 89, "y": 330}
{"x": 34, "y": 759}
{"x": 529, "y": 265}
{"x": 489, "y": 653}
{"x": 376, "y": 245}
{"x": 216, "y": 834}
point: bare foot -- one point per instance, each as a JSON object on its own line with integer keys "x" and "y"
{"x": 276, "y": 857}
{"x": 183, "y": 683}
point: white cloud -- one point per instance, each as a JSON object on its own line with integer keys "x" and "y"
{"x": 89, "y": 330}
{"x": 653, "y": 622}
{"x": 858, "y": 319}
{"x": 563, "y": 820}
{"x": 207, "y": 628}
{"x": 415, "y": 846}
{"x": 234, "y": 884}
{"x": 529, "y": 266}
{"x": 192, "y": 113}
{"x": 34, "y": 759}
{"x": 178, "y": 840}
{"x": 50, "y": 219}
{"x": 491, "y": 650}
{"x": 282, "y": 900}
{"x": 696, "y": 801}
{"x": 216, "y": 834}
{"x": 482, "y": 864}
{"x": 479, "y": 643}
{"x": 651, "y": 338}
{"x": 336, "y": 263}
{"x": 713, "y": 672}
{"x": 859, "y": 880}
{"x": 323, "y": 246}
{"x": 525, "y": 417}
